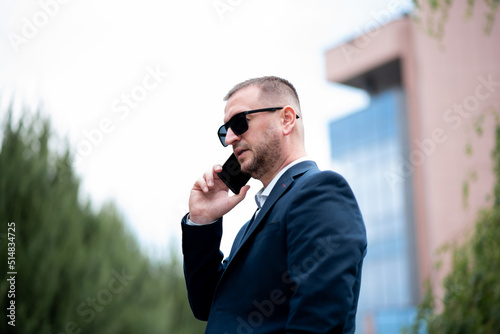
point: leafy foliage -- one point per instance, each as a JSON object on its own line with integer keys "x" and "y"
{"x": 78, "y": 271}
{"x": 433, "y": 15}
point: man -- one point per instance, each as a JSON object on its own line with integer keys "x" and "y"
{"x": 295, "y": 267}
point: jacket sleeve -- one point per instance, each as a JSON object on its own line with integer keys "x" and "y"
{"x": 326, "y": 242}
{"x": 202, "y": 264}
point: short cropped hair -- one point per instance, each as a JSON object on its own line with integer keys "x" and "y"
{"x": 270, "y": 86}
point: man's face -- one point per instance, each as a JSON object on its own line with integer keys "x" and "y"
{"x": 258, "y": 149}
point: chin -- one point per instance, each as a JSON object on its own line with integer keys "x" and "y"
{"x": 243, "y": 167}
{"x": 245, "y": 164}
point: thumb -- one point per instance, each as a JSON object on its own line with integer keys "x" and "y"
{"x": 237, "y": 198}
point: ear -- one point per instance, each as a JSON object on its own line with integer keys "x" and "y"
{"x": 288, "y": 119}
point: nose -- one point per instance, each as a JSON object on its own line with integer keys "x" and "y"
{"x": 231, "y": 137}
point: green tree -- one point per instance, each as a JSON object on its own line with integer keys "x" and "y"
{"x": 79, "y": 270}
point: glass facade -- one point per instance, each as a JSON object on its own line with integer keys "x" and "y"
{"x": 364, "y": 146}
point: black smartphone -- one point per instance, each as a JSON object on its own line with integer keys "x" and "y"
{"x": 232, "y": 175}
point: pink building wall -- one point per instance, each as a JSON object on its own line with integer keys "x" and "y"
{"x": 451, "y": 86}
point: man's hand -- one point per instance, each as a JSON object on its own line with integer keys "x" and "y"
{"x": 209, "y": 199}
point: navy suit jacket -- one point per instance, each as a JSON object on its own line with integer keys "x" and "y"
{"x": 295, "y": 269}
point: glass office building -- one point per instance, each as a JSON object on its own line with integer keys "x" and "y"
{"x": 365, "y": 146}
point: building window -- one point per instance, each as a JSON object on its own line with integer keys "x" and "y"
{"x": 364, "y": 146}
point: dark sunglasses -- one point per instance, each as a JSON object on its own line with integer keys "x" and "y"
{"x": 238, "y": 123}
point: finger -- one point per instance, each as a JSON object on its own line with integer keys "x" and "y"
{"x": 216, "y": 169}
{"x": 209, "y": 178}
{"x": 244, "y": 190}
{"x": 201, "y": 184}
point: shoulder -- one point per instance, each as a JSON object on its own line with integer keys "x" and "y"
{"x": 307, "y": 180}
{"x": 308, "y": 171}
{"x": 315, "y": 178}
{"x": 323, "y": 203}
{"x": 323, "y": 190}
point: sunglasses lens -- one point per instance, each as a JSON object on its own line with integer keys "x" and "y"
{"x": 222, "y": 135}
{"x": 239, "y": 124}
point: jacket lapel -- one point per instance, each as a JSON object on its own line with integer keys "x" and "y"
{"x": 283, "y": 184}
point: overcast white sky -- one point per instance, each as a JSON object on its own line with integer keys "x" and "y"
{"x": 150, "y": 76}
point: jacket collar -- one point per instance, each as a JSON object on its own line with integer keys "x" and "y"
{"x": 265, "y": 192}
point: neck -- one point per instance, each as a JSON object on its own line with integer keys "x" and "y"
{"x": 282, "y": 163}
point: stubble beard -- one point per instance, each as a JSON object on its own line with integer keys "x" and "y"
{"x": 265, "y": 157}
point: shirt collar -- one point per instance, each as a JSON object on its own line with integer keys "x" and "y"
{"x": 261, "y": 196}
